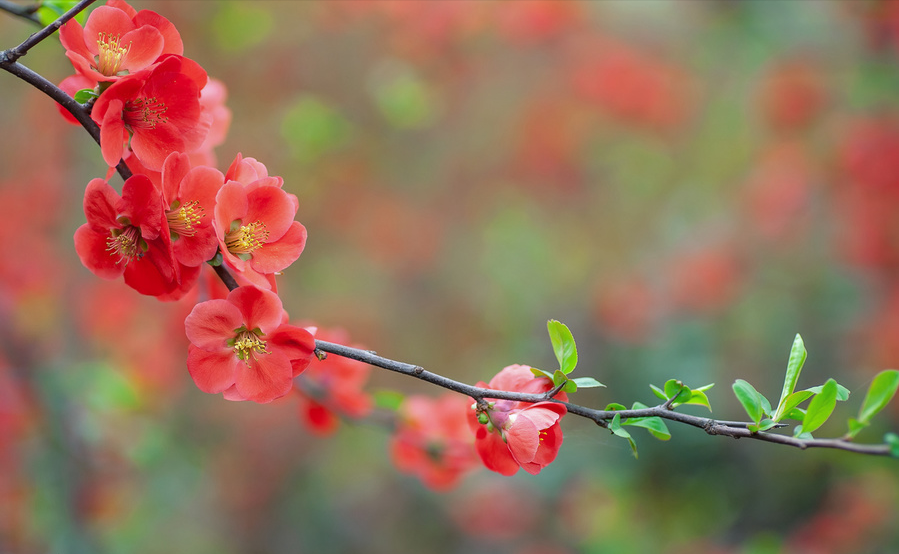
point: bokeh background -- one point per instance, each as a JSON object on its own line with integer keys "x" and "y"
{"x": 685, "y": 184}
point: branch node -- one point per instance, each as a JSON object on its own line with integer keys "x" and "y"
{"x": 320, "y": 354}
{"x": 418, "y": 370}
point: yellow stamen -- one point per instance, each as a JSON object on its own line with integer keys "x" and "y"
{"x": 125, "y": 243}
{"x": 112, "y": 54}
{"x": 247, "y": 344}
{"x": 247, "y": 238}
{"x": 183, "y": 219}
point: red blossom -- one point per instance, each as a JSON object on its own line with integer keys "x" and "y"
{"x": 116, "y": 40}
{"x": 158, "y": 107}
{"x": 255, "y": 226}
{"x": 432, "y": 439}
{"x": 124, "y": 236}
{"x": 519, "y": 434}
{"x": 242, "y": 347}
{"x": 333, "y": 387}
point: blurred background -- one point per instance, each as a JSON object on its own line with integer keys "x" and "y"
{"x": 686, "y": 184}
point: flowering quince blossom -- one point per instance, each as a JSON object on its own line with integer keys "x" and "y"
{"x": 242, "y": 346}
{"x": 126, "y": 236}
{"x": 518, "y": 434}
{"x": 116, "y": 40}
{"x": 432, "y": 439}
{"x": 332, "y": 386}
{"x": 159, "y": 107}
{"x": 256, "y": 231}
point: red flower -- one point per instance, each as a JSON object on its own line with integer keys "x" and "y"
{"x": 159, "y": 107}
{"x": 124, "y": 235}
{"x": 333, "y": 386}
{"x": 117, "y": 40}
{"x": 255, "y": 225}
{"x": 432, "y": 440}
{"x": 242, "y": 345}
{"x": 519, "y": 434}
{"x": 247, "y": 170}
{"x": 189, "y": 199}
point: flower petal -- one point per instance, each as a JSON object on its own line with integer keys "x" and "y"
{"x": 265, "y": 378}
{"x": 213, "y": 372}
{"x": 259, "y": 308}
{"x": 494, "y": 452}
{"x": 276, "y": 256}
{"x": 212, "y": 323}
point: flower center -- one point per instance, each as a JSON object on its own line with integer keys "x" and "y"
{"x": 244, "y": 239}
{"x": 184, "y": 218}
{"x": 247, "y": 344}
{"x": 126, "y": 243}
{"x": 112, "y": 54}
{"x": 145, "y": 112}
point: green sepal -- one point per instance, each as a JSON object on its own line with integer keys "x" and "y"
{"x": 216, "y": 260}
{"x": 563, "y": 345}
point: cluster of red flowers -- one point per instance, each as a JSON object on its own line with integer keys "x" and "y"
{"x": 158, "y": 112}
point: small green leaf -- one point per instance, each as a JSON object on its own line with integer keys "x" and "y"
{"x": 842, "y": 392}
{"x": 541, "y": 373}
{"x": 84, "y": 95}
{"x": 563, "y": 345}
{"x": 881, "y": 391}
{"x": 855, "y": 426}
{"x": 654, "y": 425}
{"x": 796, "y": 413}
{"x": 658, "y": 392}
{"x": 615, "y": 406}
{"x": 892, "y": 439}
{"x": 388, "y": 399}
{"x": 793, "y": 400}
{"x": 766, "y": 424}
{"x": 50, "y": 11}
{"x": 570, "y": 386}
{"x": 820, "y": 408}
{"x": 794, "y": 367}
{"x": 615, "y": 427}
{"x": 750, "y": 399}
{"x": 587, "y": 382}
{"x": 698, "y": 397}
{"x": 672, "y": 388}
{"x": 559, "y": 378}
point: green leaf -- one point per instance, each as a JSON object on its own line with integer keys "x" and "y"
{"x": 892, "y": 439}
{"x": 855, "y": 426}
{"x": 881, "y": 391}
{"x": 615, "y": 406}
{"x": 84, "y": 95}
{"x": 570, "y": 386}
{"x": 793, "y": 400}
{"x": 559, "y": 378}
{"x": 766, "y": 424}
{"x": 820, "y": 408}
{"x": 388, "y": 399}
{"x": 563, "y": 345}
{"x": 842, "y": 392}
{"x": 541, "y": 373}
{"x": 654, "y": 425}
{"x": 587, "y": 382}
{"x": 750, "y": 399}
{"x": 50, "y": 11}
{"x": 677, "y": 392}
{"x": 796, "y": 413}
{"x": 658, "y": 392}
{"x": 698, "y": 397}
{"x": 615, "y": 427}
{"x": 794, "y": 367}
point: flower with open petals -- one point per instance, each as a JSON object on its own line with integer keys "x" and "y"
{"x": 124, "y": 236}
{"x": 242, "y": 346}
{"x": 255, "y": 226}
{"x": 159, "y": 108}
{"x": 518, "y": 434}
{"x": 116, "y": 40}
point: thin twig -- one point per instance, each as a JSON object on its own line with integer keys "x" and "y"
{"x": 26, "y": 12}
{"x": 14, "y": 54}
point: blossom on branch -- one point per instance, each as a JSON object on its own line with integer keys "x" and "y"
{"x": 159, "y": 108}
{"x": 116, "y": 41}
{"x": 243, "y": 347}
{"x": 125, "y": 235}
{"x": 432, "y": 440}
{"x": 510, "y": 434}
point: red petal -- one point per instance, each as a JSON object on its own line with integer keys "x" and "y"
{"x": 112, "y": 133}
{"x": 107, "y": 20}
{"x": 100, "y": 202}
{"x": 175, "y": 167}
{"x": 266, "y": 378}
{"x": 142, "y": 203}
{"x": 272, "y": 206}
{"x": 230, "y": 204}
{"x": 494, "y": 453}
{"x": 275, "y": 256}
{"x": 296, "y": 343}
{"x": 211, "y": 324}
{"x": 213, "y": 372}
{"x": 522, "y": 438}
{"x": 145, "y": 46}
{"x": 259, "y": 308}
{"x": 173, "y": 43}
{"x": 92, "y": 249}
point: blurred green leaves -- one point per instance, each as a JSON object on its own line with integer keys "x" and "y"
{"x": 313, "y": 128}
{"x": 241, "y": 25}
{"x": 402, "y": 97}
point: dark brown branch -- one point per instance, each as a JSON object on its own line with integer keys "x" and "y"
{"x": 14, "y": 54}
{"x": 26, "y": 12}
